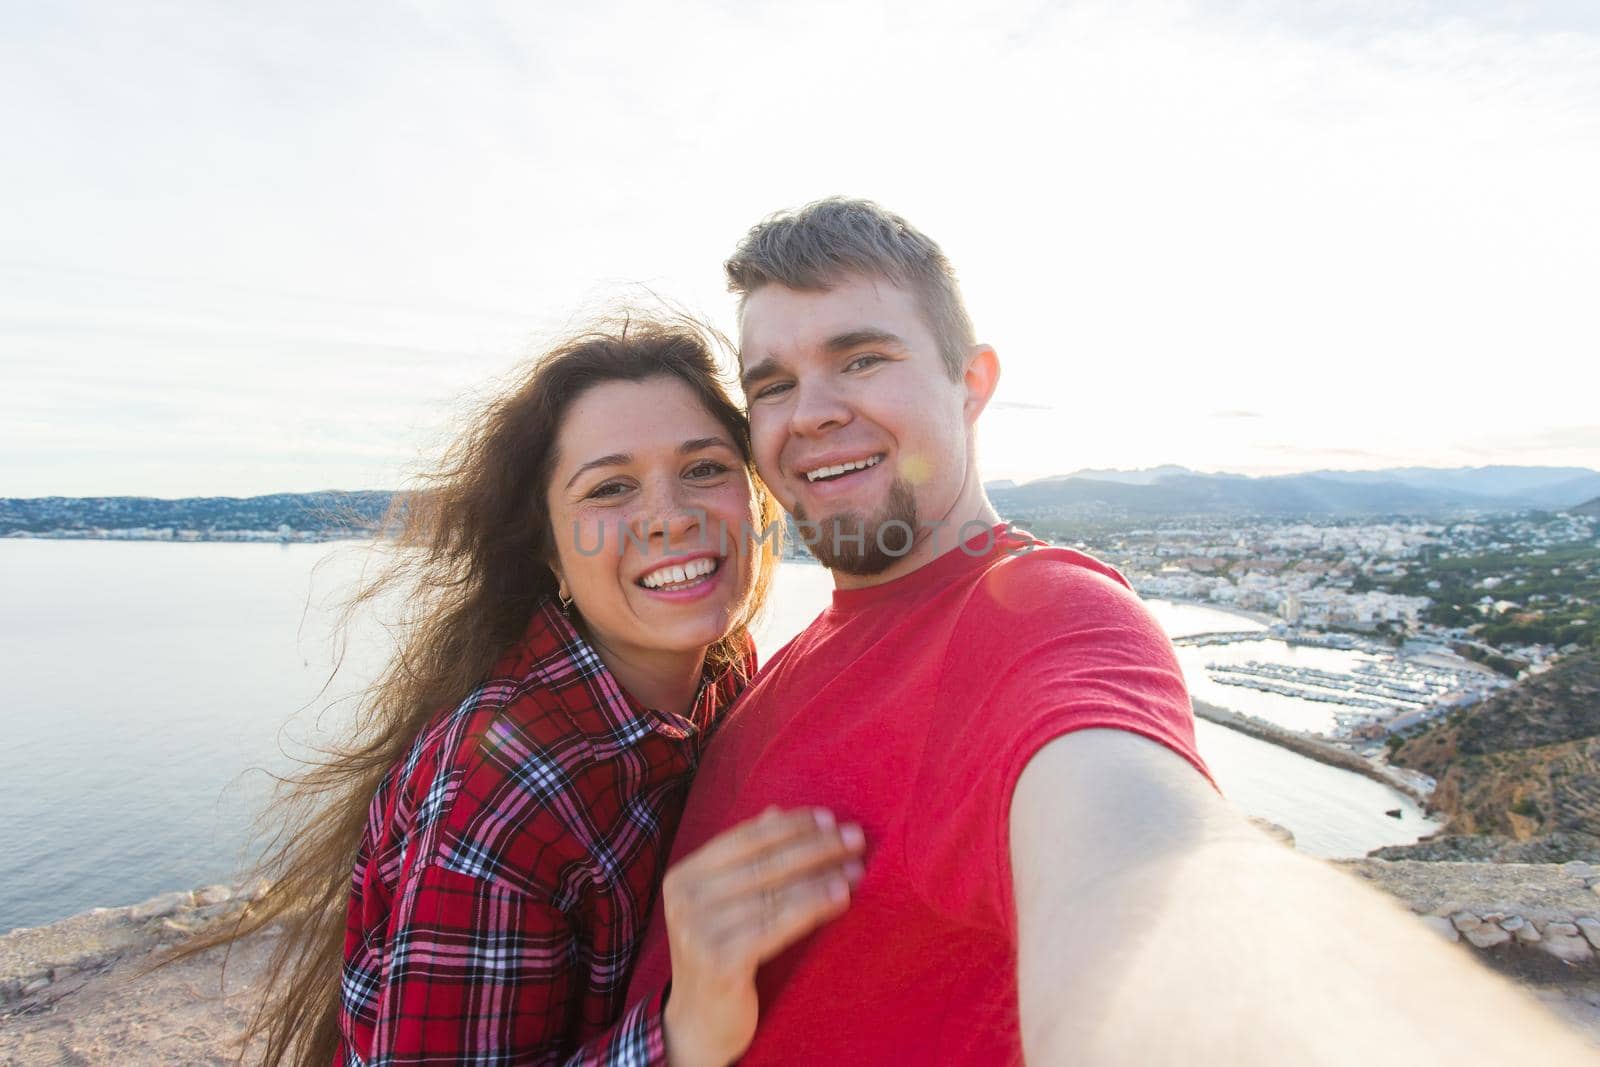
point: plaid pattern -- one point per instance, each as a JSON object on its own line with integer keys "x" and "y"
{"x": 509, "y": 866}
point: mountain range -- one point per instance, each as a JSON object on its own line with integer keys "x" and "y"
{"x": 1154, "y": 493}
{"x": 1174, "y": 490}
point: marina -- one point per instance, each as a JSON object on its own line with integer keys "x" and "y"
{"x": 1381, "y": 694}
{"x": 1312, "y": 640}
{"x": 1338, "y": 686}
{"x": 1368, "y": 680}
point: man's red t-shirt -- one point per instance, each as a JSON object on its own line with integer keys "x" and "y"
{"x": 911, "y": 708}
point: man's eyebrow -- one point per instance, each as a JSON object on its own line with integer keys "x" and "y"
{"x": 765, "y": 369}
{"x": 842, "y": 342}
{"x": 866, "y": 336}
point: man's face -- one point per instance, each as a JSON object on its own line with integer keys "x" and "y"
{"x": 856, "y": 424}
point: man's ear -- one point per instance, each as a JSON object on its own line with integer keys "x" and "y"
{"x": 979, "y": 380}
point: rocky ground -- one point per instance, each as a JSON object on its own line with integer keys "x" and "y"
{"x": 81, "y": 992}
{"x": 1539, "y": 920}
{"x": 1558, "y": 847}
{"x": 116, "y": 1014}
{"x": 1538, "y": 924}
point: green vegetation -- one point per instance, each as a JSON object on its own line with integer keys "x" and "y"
{"x": 1531, "y": 751}
{"x": 1509, "y": 581}
{"x": 1556, "y": 593}
{"x": 1497, "y": 663}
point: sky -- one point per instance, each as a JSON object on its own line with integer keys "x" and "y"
{"x": 287, "y": 247}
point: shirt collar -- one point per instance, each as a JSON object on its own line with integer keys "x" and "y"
{"x": 567, "y": 664}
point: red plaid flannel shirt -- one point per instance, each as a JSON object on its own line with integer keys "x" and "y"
{"x": 509, "y": 866}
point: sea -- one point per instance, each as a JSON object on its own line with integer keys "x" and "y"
{"x": 150, "y": 691}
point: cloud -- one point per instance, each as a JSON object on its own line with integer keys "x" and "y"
{"x": 1237, "y": 415}
{"x": 1584, "y": 438}
{"x": 1380, "y": 458}
{"x": 1017, "y": 405}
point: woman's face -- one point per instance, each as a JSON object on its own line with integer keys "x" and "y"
{"x": 650, "y": 503}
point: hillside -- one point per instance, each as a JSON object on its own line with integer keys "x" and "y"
{"x": 1172, "y": 490}
{"x": 1086, "y": 495}
{"x": 1525, "y": 763}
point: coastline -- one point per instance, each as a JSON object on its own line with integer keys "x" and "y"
{"x": 1306, "y": 745}
{"x": 1310, "y": 746}
{"x": 1262, "y": 617}
{"x": 194, "y": 537}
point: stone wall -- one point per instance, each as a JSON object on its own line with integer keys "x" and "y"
{"x": 1540, "y": 922}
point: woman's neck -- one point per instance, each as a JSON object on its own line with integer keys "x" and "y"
{"x": 660, "y": 680}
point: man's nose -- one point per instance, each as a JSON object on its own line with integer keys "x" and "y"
{"x": 817, "y": 408}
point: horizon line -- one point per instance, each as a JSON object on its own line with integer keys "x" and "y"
{"x": 986, "y": 482}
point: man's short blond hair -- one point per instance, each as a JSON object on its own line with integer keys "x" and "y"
{"x": 814, "y": 247}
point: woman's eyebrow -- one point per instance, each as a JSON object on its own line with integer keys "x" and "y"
{"x": 615, "y": 459}
{"x": 695, "y": 444}
{"x": 622, "y": 459}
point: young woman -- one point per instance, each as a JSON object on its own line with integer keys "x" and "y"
{"x": 468, "y": 879}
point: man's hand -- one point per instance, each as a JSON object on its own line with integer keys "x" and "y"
{"x": 737, "y": 902}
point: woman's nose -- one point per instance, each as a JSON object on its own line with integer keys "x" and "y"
{"x": 669, "y": 521}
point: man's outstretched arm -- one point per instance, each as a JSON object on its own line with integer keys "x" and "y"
{"x": 1155, "y": 926}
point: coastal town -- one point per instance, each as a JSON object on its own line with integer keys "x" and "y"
{"x": 279, "y": 517}
{"x": 1443, "y": 613}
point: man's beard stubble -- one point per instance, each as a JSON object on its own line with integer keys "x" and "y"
{"x": 851, "y": 543}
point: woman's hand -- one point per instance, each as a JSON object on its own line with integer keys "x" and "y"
{"x": 744, "y": 897}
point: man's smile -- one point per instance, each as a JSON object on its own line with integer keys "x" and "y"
{"x": 830, "y": 471}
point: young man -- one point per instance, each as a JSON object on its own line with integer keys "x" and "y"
{"x": 1048, "y": 868}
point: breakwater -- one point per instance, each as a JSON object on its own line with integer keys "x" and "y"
{"x": 1305, "y": 745}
